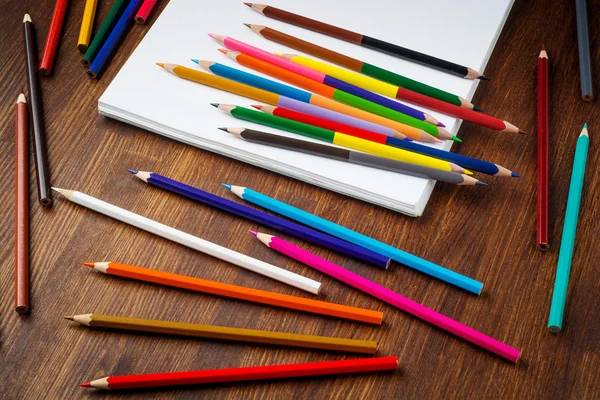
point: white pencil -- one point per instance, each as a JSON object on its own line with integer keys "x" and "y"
{"x": 191, "y": 241}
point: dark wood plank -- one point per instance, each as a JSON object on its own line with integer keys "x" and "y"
{"x": 486, "y": 233}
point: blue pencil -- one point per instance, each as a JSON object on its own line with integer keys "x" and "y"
{"x": 565, "y": 254}
{"x": 263, "y": 219}
{"x": 351, "y": 236}
{"x": 112, "y": 42}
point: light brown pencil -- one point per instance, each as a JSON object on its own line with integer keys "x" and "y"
{"x": 21, "y": 208}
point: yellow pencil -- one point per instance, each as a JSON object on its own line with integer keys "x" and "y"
{"x": 87, "y": 24}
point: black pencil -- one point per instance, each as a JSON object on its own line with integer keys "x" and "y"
{"x": 37, "y": 113}
{"x": 585, "y": 65}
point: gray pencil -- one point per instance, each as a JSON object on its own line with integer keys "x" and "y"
{"x": 585, "y": 65}
{"x": 353, "y": 157}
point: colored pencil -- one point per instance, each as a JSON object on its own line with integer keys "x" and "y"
{"x": 225, "y": 333}
{"x": 326, "y": 107}
{"x": 105, "y": 30}
{"x": 397, "y": 92}
{"x": 319, "y": 368}
{"x": 389, "y": 296}
{"x": 37, "y": 114}
{"x": 352, "y": 157}
{"x": 349, "y": 235}
{"x": 567, "y": 243}
{"x": 114, "y": 39}
{"x": 87, "y": 24}
{"x": 142, "y": 15}
{"x": 238, "y": 292}
{"x": 583, "y": 40}
{"x": 263, "y": 218}
{"x": 191, "y": 241}
{"x": 335, "y": 88}
{"x": 360, "y": 66}
{"x": 367, "y": 41}
{"x": 58, "y": 17}
{"x": 337, "y": 138}
{"x": 21, "y": 207}
{"x": 542, "y": 241}
{"x": 463, "y": 161}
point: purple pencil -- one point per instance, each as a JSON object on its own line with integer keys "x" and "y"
{"x": 390, "y": 297}
{"x": 264, "y": 219}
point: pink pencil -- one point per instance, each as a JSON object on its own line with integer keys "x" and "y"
{"x": 144, "y": 11}
{"x": 392, "y": 298}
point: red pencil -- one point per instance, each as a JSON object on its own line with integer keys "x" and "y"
{"x": 60, "y": 9}
{"x": 245, "y": 374}
{"x": 146, "y": 8}
{"x": 21, "y": 208}
{"x": 543, "y": 131}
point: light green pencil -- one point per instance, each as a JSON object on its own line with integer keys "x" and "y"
{"x": 565, "y": 255}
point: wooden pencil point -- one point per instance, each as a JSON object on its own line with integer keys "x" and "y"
{"x": 87, "y": 384}
{"x": 224, "y": 51}
{"x": 248, "y": 4}
{"x": 69, "y": 317}
{"x": 162, "y": 65}
{"x": 89, "y": 264}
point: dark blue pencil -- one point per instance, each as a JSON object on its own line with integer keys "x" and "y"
{"x": 264, "y": 219}
{"x": 113, "y": 40}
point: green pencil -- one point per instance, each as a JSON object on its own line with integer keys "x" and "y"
{"x": 105, "y": 29}
{"x": 565, "y": 255}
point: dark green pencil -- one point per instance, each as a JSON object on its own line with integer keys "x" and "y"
{"x": 105, "y": 29}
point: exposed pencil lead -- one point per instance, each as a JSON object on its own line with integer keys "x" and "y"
{"x": 133, "y": 171}
{"x": 224, "y": 51}
{"x": 69, "y": 317}
{"x": 258, "y": 107}
{"x": 248, "y": 4}
{"x": 515, "y": 175}
{"x": 481, "y": 183}
{"x": 226, "y": 186}
{"x": 585, "y": 126}
{"x": 475, "y": 108}
{"x": 441, "y": 125}
{"x": 214, "y": 104}
{"x": 484, "y": 78}
{"x": 57, "y": 190}
{"x": 543, "y": 48}
{"x": 196, "y": 61}
{"x": 522, "y": 132}
{"x": 253, "y": 232}
{"x": 89, "y": 264}
{"x": 248, "y": 25}
{"x": 224, "y": 129}
{"x": 162, "y": 65}
{"x": 87, "y": 384}
{"x": 456, "y": 139}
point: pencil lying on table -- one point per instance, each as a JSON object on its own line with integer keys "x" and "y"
{"x": 103, "y": 32}
{"x": 56, "y": 24}
{"x": 238, "y": 292}
{"x": 193, "y": 242}
{"x": 352, "y": 157}
{"x": 21, "y": 207}
{"x": 362, "y": 67}
{"x": 583, "y": 40}
{"x": 200, "y": 377}
{"x": 338, "y": 138}
{"x": 87, "y": 24}
{"x": 367, "y": 41}
{"x": 390, "y": 297}
{"x": 263, "y": 218}
{"x": 542, "y": 240}
{"x": 225, "y": 333}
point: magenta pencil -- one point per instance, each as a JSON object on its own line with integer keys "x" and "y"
{"x": 145, "y": 9}
{"x": 390, "y": 297}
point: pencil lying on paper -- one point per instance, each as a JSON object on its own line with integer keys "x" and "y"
{"x": 464, "y": 161}
{"x": 362, "y": 67}
{"x": 542, "y": 240}
{"x": 583, "y": 40}
{"x": 335, "y": 88}
{"x": 191, "y": 241}
{"x": 367, "y": 41}
{"x": 238, "y": 292}
{"x": 338, "y": 138}
{"x": 225, "y": 333}
{"x": 58, "y": 17}
{"x": 262, "y": 218}
{"x": 567, "y": 242}
{"x": 341, "y": 232}
{"x": 390, "y": 297}
{"x": 352, "y": 157}
{"x": 87, "y": 25}
{"x": 281, "y": 371}
{"x": 21, "y": 207}
{"x": 103, "y": 32}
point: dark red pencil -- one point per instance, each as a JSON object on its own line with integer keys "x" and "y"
{"x": 21, "y": 208}
{"x": 60, "y": 9}
{"x": 543, "y": 130}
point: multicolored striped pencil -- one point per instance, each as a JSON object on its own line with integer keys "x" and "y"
{"x": 412, "y": 261}
{"x": 335, "y": 89}
{"x": 263, "y": 218}
{"x": 463, "y": 161}
{"x": 238, "y": 292}
{"x": 320, "y": 368}
{"x": 367, "y": 41}
{"x": 225, "y": 333}
{"x": 390, "y": 297}
{"x": 361, "y": 66}
{"x": 337, "y": 138}
{"x": 352, "y": 157}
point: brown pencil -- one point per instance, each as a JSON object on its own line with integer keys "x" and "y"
{"x": 21, "y": 208}
{"x": 225, "y": 333}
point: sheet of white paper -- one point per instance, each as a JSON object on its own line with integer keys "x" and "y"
{"x": 145, "y": 95}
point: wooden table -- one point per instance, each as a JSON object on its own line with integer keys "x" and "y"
{"x": 487, "y": 233}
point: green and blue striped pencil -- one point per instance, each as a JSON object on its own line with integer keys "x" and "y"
{"x": 565, "y": 255}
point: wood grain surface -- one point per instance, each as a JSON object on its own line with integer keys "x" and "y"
{"x": 486, "y": 233}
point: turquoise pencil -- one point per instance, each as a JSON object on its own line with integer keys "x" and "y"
{"x": 565, "y": 254}
{"x": 358, "y": 239}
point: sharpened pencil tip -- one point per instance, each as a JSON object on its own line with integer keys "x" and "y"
{"x": 475, "y": 108}
{"x": 133, "y": 171}
{"x": 57, "y": 190}
{"x": 253, "y": 232}
{"x": 481, "y": 183}
{"x": 543, "y": 47}
{"x": 87, "y": 384}
{"x": 441, "y": 125}
{"x": 407, "y": 139}
{"x": 162, "y": 65}
{"x": 257, "y": 106}
{"x": 523, "y": 132}
{"x": 249, "y": 26}
{"x": 224, "y": 129}
{"x": 226, "y": 186}
{"x": 69, "y": 317}
{"x": 484, "y": 78}
{"x": 89, "y": 264}
{"x": 248, "y": 4}
{"x": 585, "y": 126}
{"x": 214, "y": 104}
{"x": 456, "y": 139}
{"x": 515, "y": 175}
{"x": 194, "y": 60}
{"x": 224, "y": 51}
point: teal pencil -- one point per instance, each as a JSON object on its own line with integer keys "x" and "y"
{"x": 565, "y": 255}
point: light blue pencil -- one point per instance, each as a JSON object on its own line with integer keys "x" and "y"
{"x": 356, "y": 238}
{"x": 565, "y": 254}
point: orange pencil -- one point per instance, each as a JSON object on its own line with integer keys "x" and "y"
{"x": 238, "y": 292}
